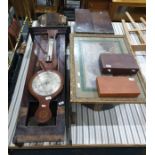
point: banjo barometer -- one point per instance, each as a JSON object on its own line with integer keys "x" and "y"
{"x": 47, "y": 83}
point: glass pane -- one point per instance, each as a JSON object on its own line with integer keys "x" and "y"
{"x": 86, "y": 60}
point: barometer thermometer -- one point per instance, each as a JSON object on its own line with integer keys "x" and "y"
{"x": 50, "y": 58}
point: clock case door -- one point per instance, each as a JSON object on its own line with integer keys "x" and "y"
{"x": 28, "y": 130}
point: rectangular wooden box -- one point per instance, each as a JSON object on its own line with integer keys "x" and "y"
{"x": 117, "y": 86}
{"x": 118, "y": 64}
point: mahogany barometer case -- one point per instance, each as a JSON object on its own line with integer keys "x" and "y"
{"x": 32, "y": 126}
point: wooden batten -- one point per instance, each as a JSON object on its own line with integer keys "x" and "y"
{"x": 139, "y": 31}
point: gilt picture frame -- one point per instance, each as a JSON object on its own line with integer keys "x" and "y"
{"x": 84, "y": 68}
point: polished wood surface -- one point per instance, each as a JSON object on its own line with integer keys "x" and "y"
{"x": 130, "y": 1}
{"x": 117, "y": 9}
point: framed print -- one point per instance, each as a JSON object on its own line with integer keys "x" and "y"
{"x": 84, "y": 60}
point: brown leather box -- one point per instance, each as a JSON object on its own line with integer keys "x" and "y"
{"x": 117, "y": 86}
{"x": 118, "y": 64}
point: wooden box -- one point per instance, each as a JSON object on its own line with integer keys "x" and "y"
{"x": 118, "y": 64}
{"x": 117, "y": 86}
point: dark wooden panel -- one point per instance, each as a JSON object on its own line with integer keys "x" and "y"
{"x": 92, "y": 22}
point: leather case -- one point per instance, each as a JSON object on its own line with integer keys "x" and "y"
{"x": 117, "y": 86}
{"x": 118, "y": 64}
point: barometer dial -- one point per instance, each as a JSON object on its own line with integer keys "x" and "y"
{"x": 45, "y": 85}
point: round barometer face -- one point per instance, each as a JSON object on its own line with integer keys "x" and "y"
{"x": 46, "y": 83}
